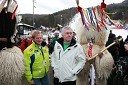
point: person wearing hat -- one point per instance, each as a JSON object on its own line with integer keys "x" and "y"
{"x": 54, "y": 39}
{"x": 56, "y": 36}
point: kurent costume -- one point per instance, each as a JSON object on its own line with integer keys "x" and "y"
{"x": 92, "y": 33}
{"x": 96, "y": 41}
{"x": 12, "y": 67}
{"x": 37, "y": 61}
{"x": 11, "y": 58}
{"x": 67, "y": 63}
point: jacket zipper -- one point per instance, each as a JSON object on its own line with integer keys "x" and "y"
{"x": 43, "y": 59}
{"x": 59, "y": 54}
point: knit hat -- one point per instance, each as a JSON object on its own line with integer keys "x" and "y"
{"x": 56, "y": 32}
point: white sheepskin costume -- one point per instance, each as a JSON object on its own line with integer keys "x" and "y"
{"x": 103, "y": 65}
{"x": 12, "y": 67}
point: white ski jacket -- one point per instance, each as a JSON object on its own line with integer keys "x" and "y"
{"x": 66, "y": 64}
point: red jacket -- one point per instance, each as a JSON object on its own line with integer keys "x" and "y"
{"x": 25, "y": 43}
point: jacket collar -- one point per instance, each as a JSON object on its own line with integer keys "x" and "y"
{"x": 61, "y": 41}
{"x": 43, "y": 44}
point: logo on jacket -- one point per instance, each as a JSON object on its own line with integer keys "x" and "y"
{"x": 31, "y": 49}
{"x": 44, "y": 51}
{"x": 36, "y": 51}
{"x": 58, "y": 47}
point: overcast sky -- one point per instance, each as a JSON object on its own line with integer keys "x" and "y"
{"x": 52, "y": 6}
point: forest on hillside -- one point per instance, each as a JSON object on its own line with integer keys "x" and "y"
{"x": 115, "y": 11}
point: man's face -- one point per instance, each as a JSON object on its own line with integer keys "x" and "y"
{"x": 67, "y": 35}
{"x": 38, "y": 39}
{"x": 57, "y": 35}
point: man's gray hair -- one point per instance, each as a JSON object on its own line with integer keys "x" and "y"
{"x": 66, "y": 28}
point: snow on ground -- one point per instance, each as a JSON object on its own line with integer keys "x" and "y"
{"x": 121, "y": 32}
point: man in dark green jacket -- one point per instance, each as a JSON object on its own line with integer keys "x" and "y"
{"x": 54, "y": 39}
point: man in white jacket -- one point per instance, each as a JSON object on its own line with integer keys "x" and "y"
{"x": 67, "y": 59}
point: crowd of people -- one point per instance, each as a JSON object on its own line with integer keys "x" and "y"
{"x": 119, "y": 49}
{"x": 37, "y": 54}
{"x": 119, "y": 52}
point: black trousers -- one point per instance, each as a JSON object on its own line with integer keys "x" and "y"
{"x": 56, "y": 82}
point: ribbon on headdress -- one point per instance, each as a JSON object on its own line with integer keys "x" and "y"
{"x": 98, "y": 27}
{"x": 12, "y": 7}
{"x": 88, "y": 18}
{"x": 2, "y": 4}
{"x": 93, "y": 21}
{"x": 82, "y": 16}
{"x": 100, "y": 17}
{"x": 100, "y": 12}
{"x": 95, "y": 17}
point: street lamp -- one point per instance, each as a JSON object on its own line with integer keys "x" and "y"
{"x": 61, "y": 18}
{"x": 33, "y": 12}
{"x": 123, "y": 15}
